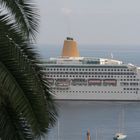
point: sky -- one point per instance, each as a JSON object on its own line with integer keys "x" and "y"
{"x": 113, "y": 22}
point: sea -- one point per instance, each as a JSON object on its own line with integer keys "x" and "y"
{"x": 102, "y": 118}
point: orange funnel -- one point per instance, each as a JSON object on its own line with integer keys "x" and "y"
{"x": 70, "y": 48}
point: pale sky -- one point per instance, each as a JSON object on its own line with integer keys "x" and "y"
{"x": 104, "y": 22}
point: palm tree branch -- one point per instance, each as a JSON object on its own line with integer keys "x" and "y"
{"x": 11, "y": 122}
{"x": 25, "y": 15}
{"x": 17, "y": 97}
{"x": 19, "y": 63}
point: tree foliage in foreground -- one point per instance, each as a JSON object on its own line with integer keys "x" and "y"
{"x": 27, "y": 109}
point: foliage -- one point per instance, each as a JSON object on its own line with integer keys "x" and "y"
{"x": 27, "y": 109}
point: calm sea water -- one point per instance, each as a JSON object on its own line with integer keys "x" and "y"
{"x": 103, "y": 119}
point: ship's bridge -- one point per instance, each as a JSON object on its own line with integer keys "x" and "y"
{"x": 84, "y": 60}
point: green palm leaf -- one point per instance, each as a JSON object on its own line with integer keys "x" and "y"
{"x": 25, "y": 15}
{"x": 22, "y": 78}
{"x": 15, "y": 126}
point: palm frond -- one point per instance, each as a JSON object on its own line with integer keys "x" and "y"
{"x": 21, "y": 61}
{"x": 25, "y": 15}
{"x": 12, "y": 125}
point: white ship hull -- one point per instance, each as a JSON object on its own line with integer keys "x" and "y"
{"x": 89, "y": 94}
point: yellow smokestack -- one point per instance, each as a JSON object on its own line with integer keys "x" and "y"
{"x": 70, "y": 48}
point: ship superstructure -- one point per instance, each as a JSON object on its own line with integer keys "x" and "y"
{"x": 72, "y": 77}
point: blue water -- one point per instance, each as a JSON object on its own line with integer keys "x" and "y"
{"x": 103, "y": 119}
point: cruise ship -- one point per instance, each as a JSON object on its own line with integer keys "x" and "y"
{"x": 72, "y": 77}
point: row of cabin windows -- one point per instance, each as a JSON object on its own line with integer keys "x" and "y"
{"x": 75, "y": 75}
{"x": 96, "y": 76}
{"x": 131, "y": 88}
{"x": 96, "y": 91}
{"x": 84, "y": 69}
{"x": 93, "y": 73}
